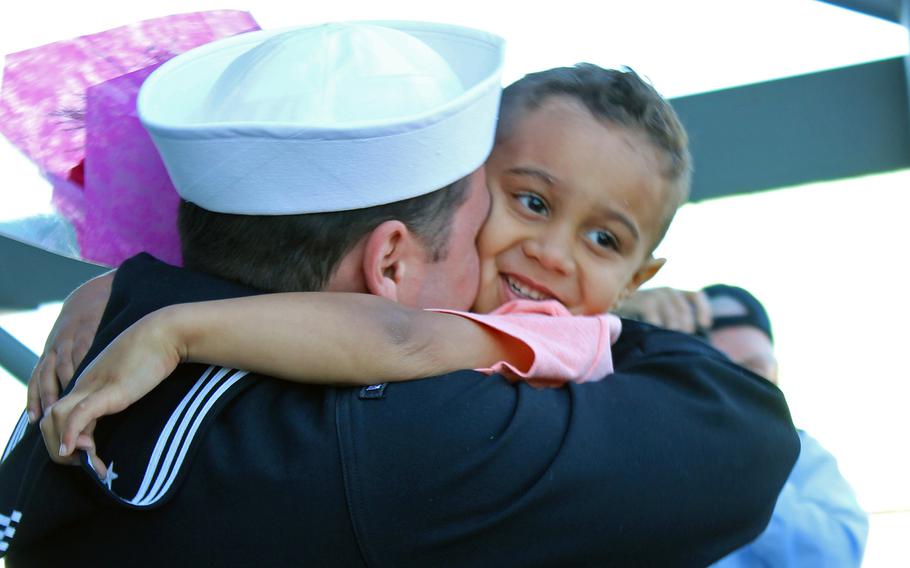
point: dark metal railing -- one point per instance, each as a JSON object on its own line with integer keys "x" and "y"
{"x": 16, "y": 358}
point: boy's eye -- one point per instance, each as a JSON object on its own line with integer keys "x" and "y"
{"x": 603, "y": 239}
{"x": 533, "y": 203}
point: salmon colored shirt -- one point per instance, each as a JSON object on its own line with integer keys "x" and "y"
{"x": 565, "y": 348}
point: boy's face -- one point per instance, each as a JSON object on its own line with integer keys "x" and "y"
{"x": 576, "y": 207}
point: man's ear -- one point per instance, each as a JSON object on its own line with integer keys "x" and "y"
{"x": 388, "y": 259}
{"x": 645, "y": 272}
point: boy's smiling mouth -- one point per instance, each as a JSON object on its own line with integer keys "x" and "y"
{"x": 522, "y": 289}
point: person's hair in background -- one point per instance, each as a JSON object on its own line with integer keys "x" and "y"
{"x": 616, "y": 96}
{"x": 299, "y": 253}
{"x": 741, "y": 329}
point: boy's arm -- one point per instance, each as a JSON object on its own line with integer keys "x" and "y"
{"x": 326, "y": 338}
{"x": 67, "y": 343}
{"x": 333, "y": 338}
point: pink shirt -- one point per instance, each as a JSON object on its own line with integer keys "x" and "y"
{"x": 565, "y": 347}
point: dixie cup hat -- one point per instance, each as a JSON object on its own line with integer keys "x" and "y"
{"x": 324, "y": 118}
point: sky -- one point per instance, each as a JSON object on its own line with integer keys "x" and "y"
{"x": 826, "y": 259}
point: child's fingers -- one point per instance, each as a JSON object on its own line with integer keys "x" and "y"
{"x": 48, "y": 387}
{"x": 33, "y": 394}
{"x": 679, "y": 313}
{"x": 64, "y": 369}
{"x": 50, "y": 433}
{"x": 85, "y": 440}
{"x": 83, "y": 415}
{"x": 80, "y": 349}
{"x": 671, "y": 307}
{"x": 86, "y": 443}
{"x": 97, "y": 464}
{"x": 53, "y": 426}
{"x": 702, "y": 308}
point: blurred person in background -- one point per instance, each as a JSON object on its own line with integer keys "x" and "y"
{"x": 817, "y": 520}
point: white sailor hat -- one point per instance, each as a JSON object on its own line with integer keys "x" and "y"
{"x": 325, "y": 118}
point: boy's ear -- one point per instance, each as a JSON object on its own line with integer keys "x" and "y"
{"x": 387, "y": 259}
{"x": 645, "y": 272}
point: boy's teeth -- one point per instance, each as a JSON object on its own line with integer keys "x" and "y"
{"x": 522, "y": 290}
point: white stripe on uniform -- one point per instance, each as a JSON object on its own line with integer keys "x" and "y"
{"x": 178, "y": 433}
{"x": 18, "y": 433}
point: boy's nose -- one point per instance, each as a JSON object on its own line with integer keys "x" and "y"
{"x": 553, "y": 252}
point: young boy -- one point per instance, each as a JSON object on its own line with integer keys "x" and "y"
{"x": 587, "y": 172}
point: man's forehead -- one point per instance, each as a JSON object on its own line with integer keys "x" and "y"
{"x": 741, "y": 341}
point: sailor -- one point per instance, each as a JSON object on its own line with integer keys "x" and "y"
{"x": 286, "y": 148}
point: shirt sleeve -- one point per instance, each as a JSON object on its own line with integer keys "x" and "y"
{"x": 565, "y": 348}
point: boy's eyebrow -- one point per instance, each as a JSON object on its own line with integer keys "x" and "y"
{"x": 533, "y": 172}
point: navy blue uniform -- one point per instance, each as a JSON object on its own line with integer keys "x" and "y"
{"x": 675, "y": 460}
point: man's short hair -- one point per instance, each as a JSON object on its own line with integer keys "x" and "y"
{"x": 617, "y": 96}
{"x": 300, "y": 253}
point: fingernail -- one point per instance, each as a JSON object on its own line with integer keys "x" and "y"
{"x": 62, "y": 449}
{"x": 31, "y": 416}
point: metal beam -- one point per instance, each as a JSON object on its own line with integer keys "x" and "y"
{"x": 821, "y": 126}
{"x": 16, "y": 358}
{"x": 885, "y": 9}
{"x": 829, "y": 125}
{"x": 30, "y": 276}
{"x": 905, "y": 21}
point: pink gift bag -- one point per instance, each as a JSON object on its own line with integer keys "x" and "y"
{"x": 70, "y": 106}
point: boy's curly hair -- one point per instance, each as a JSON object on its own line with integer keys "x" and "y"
{"x": 617, "y": 96}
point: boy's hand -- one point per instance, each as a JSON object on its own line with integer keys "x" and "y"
{"x": 679, "y": 310}
{"x": 131, "y": 366}
{"x": 67, "y": 344}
